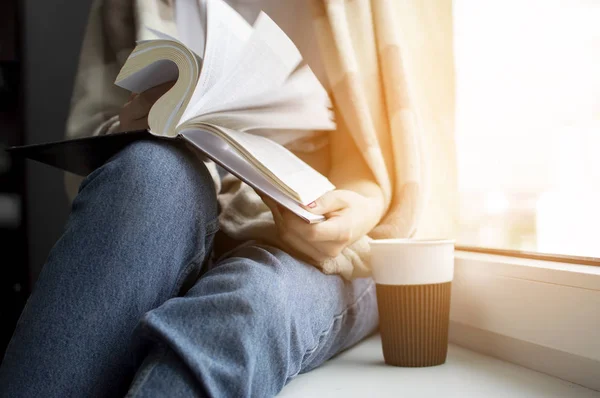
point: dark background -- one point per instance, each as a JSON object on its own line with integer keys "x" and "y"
{"x": 53, "y": 32}
{"x": 39, "y": 48}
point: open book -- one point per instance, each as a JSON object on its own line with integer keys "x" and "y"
{"x": 234, "y": 81}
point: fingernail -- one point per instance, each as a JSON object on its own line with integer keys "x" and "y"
{"x": 312, "y": 205}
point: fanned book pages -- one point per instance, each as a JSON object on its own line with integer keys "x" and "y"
{"x": 233, "y": 81}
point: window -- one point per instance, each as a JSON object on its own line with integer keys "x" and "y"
{"x": 528, "y": 125}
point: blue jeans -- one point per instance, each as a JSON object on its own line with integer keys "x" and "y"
{"x": 129, "y": 301}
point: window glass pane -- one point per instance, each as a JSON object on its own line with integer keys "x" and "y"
{"x": 528, "y": 124}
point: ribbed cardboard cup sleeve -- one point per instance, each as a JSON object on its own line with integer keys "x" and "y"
{"x": 413, "y": 322}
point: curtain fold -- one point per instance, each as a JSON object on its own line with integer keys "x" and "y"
{"x": 391, "y": 71}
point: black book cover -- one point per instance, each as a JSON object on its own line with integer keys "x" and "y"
{"x": 82, "y": 155}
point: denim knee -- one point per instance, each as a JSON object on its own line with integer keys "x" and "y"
{"x": 160, "y": 174}
{"x": 156, "y": 157}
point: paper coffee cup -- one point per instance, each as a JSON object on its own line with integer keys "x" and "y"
{"x": 413, "y": 280}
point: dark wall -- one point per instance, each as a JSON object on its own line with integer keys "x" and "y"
{"x": 53, "y": 32}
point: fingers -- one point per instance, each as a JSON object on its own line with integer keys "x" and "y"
{"x": 334, "y": 229}
{"x": 140, "y": 124}
{"x": 127, "y": 123}
{"x": 328, "y": 203}
{"x": 153, "y": 94}
{"x": 139, "y": 105}
{"x": 318, "y": 242}
{"x": 274, "y": 207}
{"x": 288, "y": 235}
{"x": 137, "y": 108}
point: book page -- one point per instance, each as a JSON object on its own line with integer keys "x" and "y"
{"x": 160, "y": 35}
{"x": 267, "y": 60}
{"x": 291, "y": 116}
{"x": 296, "y": 138}
{"x": 301, "y": 86}
{"x": 156, "y": 73}
{"x": 222, "y": 153}
{"x": 190, "y": 19}
{"x": 226, "y": 33}
{"x": 280, "y": 165}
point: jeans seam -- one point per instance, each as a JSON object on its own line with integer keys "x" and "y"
{"x": 193, "y": 262}
{"x": 327, "y": 331}
{"x": 140, "y": 379}
{"x": 183, "y": 274}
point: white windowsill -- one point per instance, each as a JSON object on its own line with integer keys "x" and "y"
{"x": 361, "y": 372}
{"x": 584, "y": 276}
{"x": 540, "y": 314}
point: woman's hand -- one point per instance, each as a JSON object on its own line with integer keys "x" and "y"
{"x": 134, "y": 114}
{"x": 349, "y": 216}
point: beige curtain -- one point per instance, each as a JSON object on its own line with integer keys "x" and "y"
{"x": 390, "y": 67}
